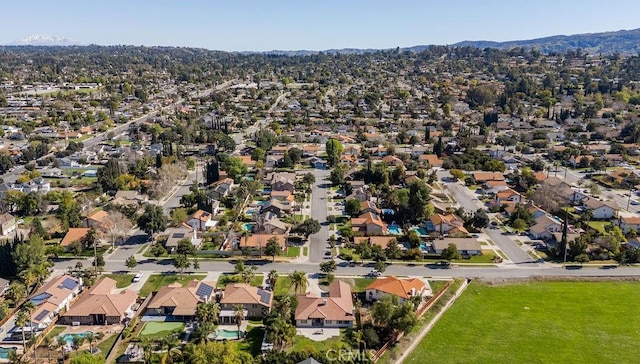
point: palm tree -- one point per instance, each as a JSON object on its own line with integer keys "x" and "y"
{"x": 272, "y": 278}
{"x": 284, "y": 308}
{"x": 170, "y": 342}
{"x": 77, "y": 342}
{"x": 299, "y": 281}
{"x": 22, "y": 320}
{"x": 146, "y": 349}
{"x": 357, "y": 336}
{"x": 90, "y": 338}
{"x": 238, "y": 314}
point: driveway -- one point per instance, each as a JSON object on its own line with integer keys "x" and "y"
{"x": 508, "y": 246}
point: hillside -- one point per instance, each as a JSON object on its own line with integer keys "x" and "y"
{"x": 622, "y": 41}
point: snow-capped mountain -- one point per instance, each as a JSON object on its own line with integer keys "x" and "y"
{"x": 46, "y": 40}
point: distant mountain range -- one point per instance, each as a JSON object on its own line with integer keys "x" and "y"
{"x": 45, "y": 40}
{"x": 622, "y": 41}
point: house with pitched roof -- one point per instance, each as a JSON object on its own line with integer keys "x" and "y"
{"x": 202, "y": 220}
{"x": 544, "y": 227}
{"x": 334, "y": 310}
{"x": 180, "y": 302}
{"x": 449, "y": 224}
{"x": 628, "y": 223}
{"x": 52, "y": 298}
{"x": 602, "y": 210}
{"x": 380, "y": 241}
{"x": 403, "y": 288}
{"x": 73, "y": 235}
{"x": 482, "y": 177}
{"x": 255, "y": 301}
{"x": 369, "y": 223}
{"x": 98, "y": 220}
{"x": 7, "y": 223}
{"x": 102, "y": 304}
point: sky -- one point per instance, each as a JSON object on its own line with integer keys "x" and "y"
{"x": 254, "y": 25}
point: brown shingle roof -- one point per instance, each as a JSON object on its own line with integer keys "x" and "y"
{"x": 73, "y": 235}
{"x": 100, "y": 299}
{"x": 337, "y": 307}
{"x": 242, "y": 293}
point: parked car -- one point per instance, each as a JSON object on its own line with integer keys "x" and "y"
{"x": 137, "y": 277}
{"x": 373, "y": 273}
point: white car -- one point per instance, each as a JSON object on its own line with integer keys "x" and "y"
{"x": 137, "y": 277}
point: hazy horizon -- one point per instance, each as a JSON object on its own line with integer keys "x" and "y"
{"x": 255, "y": 25}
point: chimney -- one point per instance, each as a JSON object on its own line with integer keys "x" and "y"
{"x": 324, "y": 301}
{"x": 412, "y": 292}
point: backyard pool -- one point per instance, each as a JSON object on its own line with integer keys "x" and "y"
{"x": 224, "y": 334}
{"x": 421, "y": 231}
{"x": 68, "y": 338}
{"x": 248, "y": 226}
{"x": 394, "y": 229}
{"x": 4, "y": 352}
{"x": 423, "y": 246}
{"x": 251, "y": 211}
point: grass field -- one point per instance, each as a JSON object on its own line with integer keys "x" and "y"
{"x": 122, "y": 280}
{"x": 107, "y": 343}
{"x": 160, "y": 329}
{"x": 293, "y": 251}
{"x": 542, "y": 322}
{"x": 358, "y": 284}
{"x": 283, "y": 285}
{"x": 156, "y": 281}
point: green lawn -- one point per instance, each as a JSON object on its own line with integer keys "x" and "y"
{"x": 293, "y": 251}
{"x": 436, "y": 286}
{"x": 358, "y": 284}
{"x": 233, "y": 278}
{"x": 122, "y": 280}
{"x": 599, "y": 226}
{"x": 156, "y": 281}
{"x": 305, "y": 251}
{"x": 301, "y": 343}
{"x": 56, "y": 331}
{"x": 541, "y": 322}
{"x": 283, "y": 284}
{"x": 252, "y": 343}
{"x": 160, "y": 329}
{"x": 107, "y": 343}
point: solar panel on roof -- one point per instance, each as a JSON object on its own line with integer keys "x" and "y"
{"x": 204, "y": 290}
{"x": 265, "y": 296}
{"x": 178, "y": 235}
{"x": 42, "y": 315}
{"x": 69, "y": 283}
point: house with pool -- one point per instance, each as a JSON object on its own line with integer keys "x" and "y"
{"x": 403, "y": 288}
{"x": 255, "y": 301}
{"x": 178, "y": 303}
{"x": 333, "y": 310}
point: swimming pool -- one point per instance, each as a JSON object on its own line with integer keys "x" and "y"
{"x": 4, "y": 352}
{"x": 248, "y": 226}
{"x": 222, "y": 334}
{"x": 68, "y": 338}
{"x": 423, "y": 246}
{"x": 421, "y": 231}
{"x": 394, "y": 229}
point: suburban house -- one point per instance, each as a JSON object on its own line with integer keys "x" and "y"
{"x": 283, "y": 181}
{"x": 101, "y": 305}
{"x": 449, "y": 224}
{"x": 99, "y": 220}
{"x": 601, "y": 210}
{"x": 277, "y": 207}
{"x": 544, "y": 227}
{"x": 180, "y": 302}
{"x": 269, "y": 223}
{"x": 380, "y": 241}
{"x": 628, "y": 223}
{"x": 432, "y": 159}
{"x": 259, "y": 241}
{"x": 533, "y": 209}
{"x": 255, "y": 301}
{"x": 7, "y": 223}
{"x": 222, "y": 188}
{"x": 175, "y": 235}
{"x": 52, "y": 298}
{"x": 368, "y": 206}
{"x": 482, "y": 177}
{"x": 509, "y": 196}
{"x": 201, "y": 220}
{"x": 73, "y": 235}
{"x": 335, "y": 310}
{"x": 126, "y": 198}
{"x": 403, "y": 288}
{"x": 369, "y": 224}
{"x": 465, "y": 246}
{"x": 360, "y": 193}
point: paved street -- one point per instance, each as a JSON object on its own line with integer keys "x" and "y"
{"x": 318, "y": 241}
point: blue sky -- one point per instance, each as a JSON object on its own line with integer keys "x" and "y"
{"x": 237, "y": 25}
